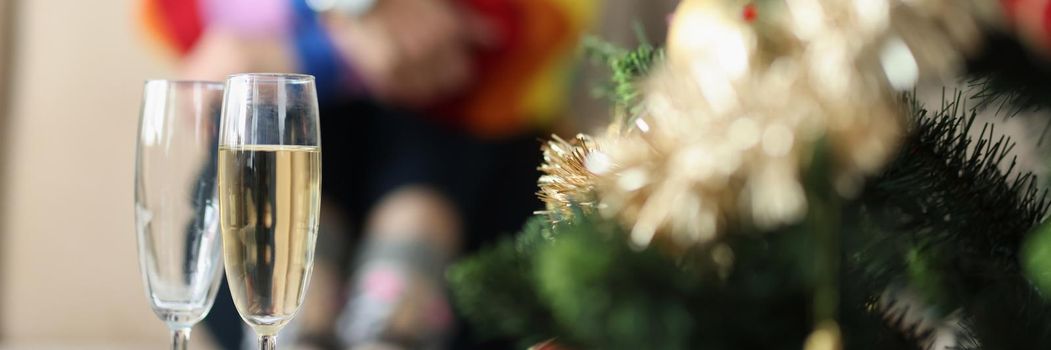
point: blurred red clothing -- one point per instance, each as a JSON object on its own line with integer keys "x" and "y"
{"x": 522, "y": 83}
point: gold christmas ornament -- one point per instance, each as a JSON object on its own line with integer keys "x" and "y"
{"x": 744, "y": 97}
{"x": 826, "y": 336}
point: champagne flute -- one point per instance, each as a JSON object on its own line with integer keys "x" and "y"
{"x": 269, "y": 195}
{"x": 176, "y": 206}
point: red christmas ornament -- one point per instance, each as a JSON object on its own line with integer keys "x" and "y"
{"x": 750, "y": 13}
{"x": 1032, "y": 20}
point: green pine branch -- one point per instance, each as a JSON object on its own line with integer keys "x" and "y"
{"x": 626, "y": 68}
{"x": 494, "y": 289}
{"x": 949, "y": 221}
{"x": 1007, "y": 75}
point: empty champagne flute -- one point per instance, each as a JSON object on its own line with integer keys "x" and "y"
{"x": 176, "y": 206}
{"x": 269, "y": 195}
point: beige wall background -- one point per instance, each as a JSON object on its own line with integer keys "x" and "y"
{"x": 68, "y": 265}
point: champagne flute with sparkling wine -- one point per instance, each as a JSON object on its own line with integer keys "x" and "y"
{"x": 176, "y": 207}
{"x": 269, "y": 195}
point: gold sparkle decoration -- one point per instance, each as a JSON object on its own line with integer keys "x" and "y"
{"x": 744, "y": 98}
{"x": 566, "y": 181}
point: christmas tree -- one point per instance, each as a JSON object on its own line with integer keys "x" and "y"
{"x": 770, "y": 181}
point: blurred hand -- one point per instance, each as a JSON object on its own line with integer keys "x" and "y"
{"x": 221, "y": 52}
{"x": 411, "y": 51}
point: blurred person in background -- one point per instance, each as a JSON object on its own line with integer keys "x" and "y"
{"x": 431, "y": 112}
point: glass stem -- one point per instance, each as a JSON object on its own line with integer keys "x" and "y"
{"x": 268, "y": 342}
{"x": 180, "y": 338}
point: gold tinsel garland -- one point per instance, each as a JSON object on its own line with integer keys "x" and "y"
{"x": 566, "y": 181}
{"x": 745, "y": 95}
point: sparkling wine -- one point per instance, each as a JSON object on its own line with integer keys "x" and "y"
{"x": 269, "y": 213}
